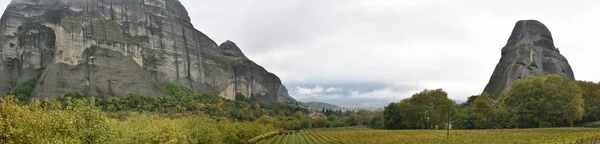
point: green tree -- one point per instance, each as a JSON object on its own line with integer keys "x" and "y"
{"x": 431, "y": 107}
{"x": 392, "y": 116}
{"x": 377, "y": 121}
{"x": 320, "y": 123}
{"x": 299, "y": 115}
{"x": 267, "y": 120}
{"x": 484, "y": 112}
{"x": 428, "y": 109}
{"x": 22, "y": 91}
{"x": 241, "y": 97}
{"x": 543, "y": 101}
{"x": 464, "y": 119}
{"x": 354, "y": 119}
{"x": 591, "y": 97}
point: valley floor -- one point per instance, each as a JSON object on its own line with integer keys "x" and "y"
{"x": 355, "y": 135}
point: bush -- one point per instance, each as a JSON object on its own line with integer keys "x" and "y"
{"x": 77, "y": 121}
{"x": 22, "y": 91}
{"x": 242, "y": 98}
{"x": 264, "y": 136}
{"x": 592, "y": 124}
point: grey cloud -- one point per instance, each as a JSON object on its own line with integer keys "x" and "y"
{"x": 391, "y": 47}
{"x": 384, "y": 44}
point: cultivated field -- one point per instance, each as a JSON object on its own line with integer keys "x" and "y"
{"x": 355, "y": 135}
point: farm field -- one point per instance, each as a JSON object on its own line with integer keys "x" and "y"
{"x": 355, "y": 135}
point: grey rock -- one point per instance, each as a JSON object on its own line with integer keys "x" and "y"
{"x": 251, "y": 79}
{"x": 530, "y": 51}
{"x": 284, "y": 96}
{"x": 113, "y": 47}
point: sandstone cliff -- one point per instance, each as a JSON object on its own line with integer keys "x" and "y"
{"x": 530, "y": 51}
{"x": 118, "y": 47}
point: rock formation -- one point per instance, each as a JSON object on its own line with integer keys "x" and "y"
{"x": 118, "y": 47}
{"x": 530, "y": 51}
{"x": 251, "y": 79}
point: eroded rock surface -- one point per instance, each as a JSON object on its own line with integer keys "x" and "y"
{"x": 251, "y": 79}
{"x": 530, "y": 51}
{"x": 116, "y": 47}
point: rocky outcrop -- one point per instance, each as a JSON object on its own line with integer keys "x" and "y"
{"x": 112, "y": 48}
{"x": 530, "y": 51}
{"x": 284, "y": 96}
{"x": 252, "y": 80}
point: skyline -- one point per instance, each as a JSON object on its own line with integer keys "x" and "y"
{"x": 382, "y": 51}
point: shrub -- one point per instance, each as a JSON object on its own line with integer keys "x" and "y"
{"x": 22, "y": 91}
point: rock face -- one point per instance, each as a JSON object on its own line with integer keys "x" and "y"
{"x": 530, "y": 51}
{"x": 119, "y": 47}
{"x": 252, "y": 79}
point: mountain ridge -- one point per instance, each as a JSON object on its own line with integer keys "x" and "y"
{"x": 319, "y": 106}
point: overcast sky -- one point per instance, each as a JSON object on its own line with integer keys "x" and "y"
{"x": 356, "y": 51}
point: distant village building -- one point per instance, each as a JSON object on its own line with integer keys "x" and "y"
{"x": 317, "y": 114}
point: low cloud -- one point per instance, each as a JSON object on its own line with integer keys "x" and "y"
{"x": 352, "y": 94}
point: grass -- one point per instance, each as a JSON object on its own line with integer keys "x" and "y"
{"x": 353, "y": 135}
{"x": 301, "y": 139}
{"x": 593, "y": 124}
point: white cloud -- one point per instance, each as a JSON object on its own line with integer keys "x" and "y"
{"x": 333, "y": 89}
{"x": 310, "y": 91}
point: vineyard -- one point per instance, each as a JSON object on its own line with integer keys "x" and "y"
{"x": 355, "y": 135}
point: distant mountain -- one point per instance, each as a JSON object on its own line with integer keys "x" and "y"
{"x": 315, "y": 106}
{"x": 372, "y": 106}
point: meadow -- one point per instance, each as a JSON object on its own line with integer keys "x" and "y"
{"x": 503, "y": 136}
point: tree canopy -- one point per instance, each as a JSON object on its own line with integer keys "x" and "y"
{"x": 543, "y": 101}
{"x": 591, "y": 97}
{"x": 428, "y": 109}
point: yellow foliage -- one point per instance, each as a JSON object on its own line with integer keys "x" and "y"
{"x": 79, "y": 121}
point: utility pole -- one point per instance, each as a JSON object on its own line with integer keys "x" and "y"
{"x": 448, "y": 129}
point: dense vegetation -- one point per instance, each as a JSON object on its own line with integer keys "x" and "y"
{"x": 182, "y": 116}
{"x": 548, "y": 101}
{"x": 22, "y": 91}
{"x": 80, "y": 121}
{"x": 591, "y": 98}
{"x": 429, "y": 109}
{"x": 185, "y": 116}
{"x": 535, "y": 102}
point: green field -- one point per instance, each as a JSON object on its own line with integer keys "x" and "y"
{"x": 355, "y": 135}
